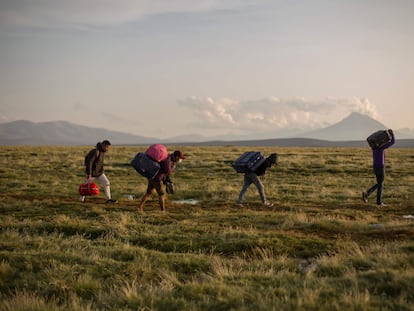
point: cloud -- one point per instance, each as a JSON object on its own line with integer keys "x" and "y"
{"x": 273, "y": 112}
{"x": 62, "y": 13}
{"x": 4, "y": 118}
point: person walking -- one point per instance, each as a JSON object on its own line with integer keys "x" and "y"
{"x": 255, "y": 178}
{"x": 378, "y": 157}
{"x": 94, "y": 168}
{"x": 162, "y": 180}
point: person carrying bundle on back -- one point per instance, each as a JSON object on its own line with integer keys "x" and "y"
{"x": 161, "y": 182}
{"x": 379, "y": 141}
{"x": 256, "y": 166}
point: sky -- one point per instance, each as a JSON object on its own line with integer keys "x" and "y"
{"x": 166, "y": 68}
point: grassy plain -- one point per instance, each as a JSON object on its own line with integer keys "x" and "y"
{"x": 319, "y": 248}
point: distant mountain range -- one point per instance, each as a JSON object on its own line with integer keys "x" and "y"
{"x": 351, "y": 131}
{"x": 62, "y": 133}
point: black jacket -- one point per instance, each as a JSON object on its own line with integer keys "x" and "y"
{"x": 261, "y": 170}
{"x": 94, "y": 161}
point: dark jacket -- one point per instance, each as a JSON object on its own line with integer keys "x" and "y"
{"x": 94, "y": 161}
{"x": 166, "y": 168}
{"x": 261, "y": 170}
{"x": 378, "y": 155}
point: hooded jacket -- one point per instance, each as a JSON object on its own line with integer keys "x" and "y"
{"x": 94, "y": 161}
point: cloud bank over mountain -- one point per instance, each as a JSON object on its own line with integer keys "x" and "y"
{"x": 273, "y": 113}
{"x": 349, "y": 132}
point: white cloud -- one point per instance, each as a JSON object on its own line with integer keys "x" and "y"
{"x": 273, "y": 113}
{"x": 4, "y": 118}
{"x": 63, "y": 13}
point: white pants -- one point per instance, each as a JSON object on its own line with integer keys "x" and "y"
{"x": 104, "y": 181}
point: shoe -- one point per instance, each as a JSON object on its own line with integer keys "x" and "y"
{"x": 382, "y": 205}
{"x": 240, "y": 204}
{"x": 365, "y": 197}
{"x": 82, "y": 199}
{"x": 111, "y": 201}
{"x": 267, "y": 204}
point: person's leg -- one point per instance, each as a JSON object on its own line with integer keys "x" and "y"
{"x": 256, "y": 180}
{"x": 371, "y": 190}
{"x": 246, "y": 183}
{"x": 104, "y": 181}
{"x": 161, "y": 194}
{"x": 379, "y": 174}
{"x": 146, "y": 196}
{"x": 144, "y": 199}
{"x": 367, "y": 193}
{"x": 161, "y": 201}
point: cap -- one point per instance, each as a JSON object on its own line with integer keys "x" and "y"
{"x": 179, "y": 153}
{"x": 106, "y": 142}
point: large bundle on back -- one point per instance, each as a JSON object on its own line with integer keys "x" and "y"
{"x": 157, "y": 152}
{"x": 378, "y": 139}
{"x": 145, "y": 166}
{"x": 248, "y": 162}
{"x": 148, "y": 163}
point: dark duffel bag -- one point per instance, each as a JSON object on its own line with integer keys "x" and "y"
{"x": 145, "y": 166}
{"x": 378, "y": 139}
{"x": 248, "y": 162}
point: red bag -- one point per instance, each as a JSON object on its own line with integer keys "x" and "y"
{"x": 157, "y": 152}
{"x": 88, "y": 188}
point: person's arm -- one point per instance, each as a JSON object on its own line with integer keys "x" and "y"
{"x": 165, "y": 169}
{"x": 391, "y": 142}
{"x": 89, "y": 163}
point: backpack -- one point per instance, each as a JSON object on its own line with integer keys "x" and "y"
{"x": 248, "y": 162}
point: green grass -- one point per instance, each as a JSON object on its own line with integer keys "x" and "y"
{"x": 319, "y": 248}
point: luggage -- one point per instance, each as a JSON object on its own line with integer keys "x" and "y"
{"x": 378, "y": 139}
{"x": 248, "y": 162}
{"x": 88, "y": 188}
{"x": 157, "y": 152}
{"x": 145, "y": 166}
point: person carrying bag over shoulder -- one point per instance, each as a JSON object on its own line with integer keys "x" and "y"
{"x": 94, "y": 169}
{"x": 378, "y": 162}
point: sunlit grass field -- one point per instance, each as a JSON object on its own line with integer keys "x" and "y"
{"x": 319, "y": 248}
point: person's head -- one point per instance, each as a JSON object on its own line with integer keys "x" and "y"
{"x": 105, "y": 145}
{"x": 178, "y": 156}
{"x": 272, "y": 159}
